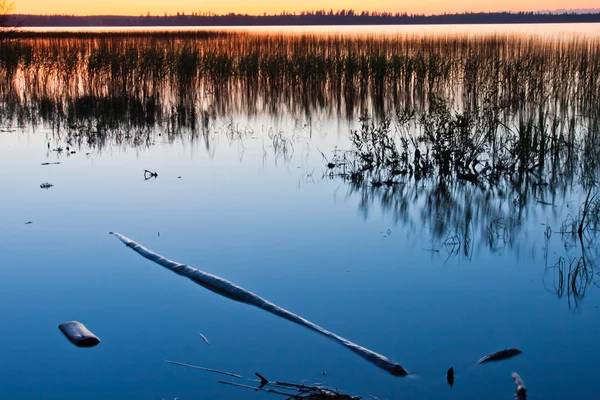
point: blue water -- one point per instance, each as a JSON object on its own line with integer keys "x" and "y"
{"x": 275, "y": 226}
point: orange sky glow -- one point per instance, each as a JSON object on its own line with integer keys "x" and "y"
{"x": 159, "y": 7}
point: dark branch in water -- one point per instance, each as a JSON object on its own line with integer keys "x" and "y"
{"x": 258, "y": 389}
{"x": 500, "y": 355}
{"x": 201, "y": 335}
{"x": 450, "y": 376}
{"x": 586, "y": 210}
{"x": 237, "y": 293}
{"x": 293, "y": 390}
{"x": 263, "y": 381}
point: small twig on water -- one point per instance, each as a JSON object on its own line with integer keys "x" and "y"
{"x": 257, "y": 389}
{"x": 201, "y": 335}
{"x": 204, "y": 369}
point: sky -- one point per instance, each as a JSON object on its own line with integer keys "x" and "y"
{"x": 159, "y": 7}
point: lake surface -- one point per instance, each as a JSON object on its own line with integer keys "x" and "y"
{"x": 432, "y": 270}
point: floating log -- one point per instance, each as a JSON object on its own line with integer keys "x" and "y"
{"x": 78, "y": 334}
{"x": 500, "y": 355}
{"x": 237, "y": 293}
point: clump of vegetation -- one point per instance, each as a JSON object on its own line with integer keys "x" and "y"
{"x": 373, "y": 158}
{"x": 473, "y": 145}
{"x": 453, "y": 170}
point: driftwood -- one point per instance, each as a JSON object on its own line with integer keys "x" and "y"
{"x": 290, "y": 390}
{"x": 521, "y": 392}
{"x": 293, "y": 390}
{"x": 204, "y": 338}
{"x": 78, "y": 334}
{"x": 234, "y": 292}
{"x": 500, "y": 355}
{"x": 259, "y": 389}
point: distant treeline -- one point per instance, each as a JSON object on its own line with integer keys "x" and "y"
{"x": 343, "y": 17}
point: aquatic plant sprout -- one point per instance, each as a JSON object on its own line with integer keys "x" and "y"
{"x": 225, "y": 288}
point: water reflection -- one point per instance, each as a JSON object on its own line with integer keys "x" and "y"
{"x": 574, "y": 274}
{"x": 177, "y": 79}
{"x": 464, "y": 138}
{"x": 472, "y": 182}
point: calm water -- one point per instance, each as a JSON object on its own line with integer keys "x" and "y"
{"x": 388, "y": 271}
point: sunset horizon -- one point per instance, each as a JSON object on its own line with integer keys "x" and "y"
{"x": 270, "y": 7}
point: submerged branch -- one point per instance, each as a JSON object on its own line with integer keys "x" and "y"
{"x": 203, "y": 369}
{"x": 256, "y": 389}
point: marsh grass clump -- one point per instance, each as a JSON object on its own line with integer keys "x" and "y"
{"x": 447, "y": 168}
{"x": 456, "y": 140}
{"x": 473, "y": 145}
{"x": 374, "y": 157}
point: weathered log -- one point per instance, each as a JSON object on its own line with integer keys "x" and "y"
{"x": 78, "y": 334}
{"x": 237, "y": 293}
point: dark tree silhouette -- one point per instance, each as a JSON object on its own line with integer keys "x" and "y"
{"x": 313, "y": 17}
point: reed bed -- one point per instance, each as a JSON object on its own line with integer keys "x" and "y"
{"x": 300, "y": 73}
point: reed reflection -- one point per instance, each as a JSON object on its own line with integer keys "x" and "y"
{"x": 464, "y": 137}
